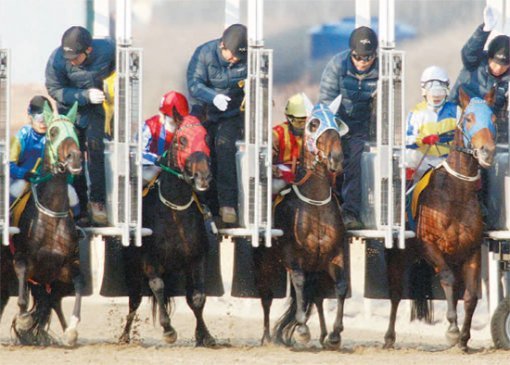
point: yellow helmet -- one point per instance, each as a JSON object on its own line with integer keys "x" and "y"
{"x": 296, "y": 106}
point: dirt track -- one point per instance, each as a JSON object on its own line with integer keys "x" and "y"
{"x": 237, "y": 326}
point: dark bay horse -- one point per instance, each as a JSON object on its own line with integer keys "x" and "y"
{"x": 179, "y": 240}
{"x": 46, "y": 253}
{"x": 312, "y": 247}
{"x": 449, "y": 220}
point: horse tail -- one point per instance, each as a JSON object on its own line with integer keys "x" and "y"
{"x": 286, "y": 324}
{"x": 168, "y": 305}
{"x": 421, "y": 290}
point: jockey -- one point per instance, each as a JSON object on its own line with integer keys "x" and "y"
{"x": 158, "y": 131}
{"x": 431, "y": 122}
{"x": 27, "y": 151}
{"x": 287, "y": 141}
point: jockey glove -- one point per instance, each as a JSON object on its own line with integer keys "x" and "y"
{"x": 96, "y": 96}
{"x": 430, "y": 140}
{"x": 489, "y": 19}
{"x": 29, "y": 175}
{"x": 220, "y": 101}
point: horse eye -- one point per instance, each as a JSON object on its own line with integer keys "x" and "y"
{"x": 313, "y": 125}
{"x": 53, "y": 132}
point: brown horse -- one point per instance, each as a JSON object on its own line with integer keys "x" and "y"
{"x": 46, "y": 250}
{"x": 449, "y": 222}
{"x": 179, "y": 242}
{"x": 312, "y": 247}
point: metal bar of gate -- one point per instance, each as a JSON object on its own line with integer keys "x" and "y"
{"x": 4, "y": 142}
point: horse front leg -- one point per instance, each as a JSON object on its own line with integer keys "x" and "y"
{"x": 71, "y": 332}
{"x": 339, "y": 277}
{"x": 319, "y": 303}
{"x": 158, "y": 290}
{"x": 297, "y": 277}
{"x": 195, "y": 297}
{"x": 23, "y": 320}
{"x": 447, "y": 280}
{"x": 395, "y": 270}
{"x": 471, "y": 274}
{"x": 133, "y": 277}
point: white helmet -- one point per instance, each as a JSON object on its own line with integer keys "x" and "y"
{"x": 434, "y": 82}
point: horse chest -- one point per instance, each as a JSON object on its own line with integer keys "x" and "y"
{"x": 317, "y": 230}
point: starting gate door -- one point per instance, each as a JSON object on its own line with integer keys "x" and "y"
{"x": 123, "y": 153}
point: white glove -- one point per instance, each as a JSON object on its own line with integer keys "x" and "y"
{"x": 220, "y": 101}
{"x": 96, "y": 96}
{"x": 489, "y": 19}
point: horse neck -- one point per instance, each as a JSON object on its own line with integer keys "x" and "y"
{"x": 52, "y": 194}
{"x": 462, "y": 162}
{"x": 174, "y": 188}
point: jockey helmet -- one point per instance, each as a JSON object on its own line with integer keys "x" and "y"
{"x": 434, "y": 85}
{"x": 171, "y": 100}
{"x": 75, "y": 41}
{"x": 295, "y": 111}
{"x": 36, "y": 105}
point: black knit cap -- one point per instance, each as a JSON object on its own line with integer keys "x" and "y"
{"x": 75, "y": 41}
{"x": 36, "y": 105}
{"x": 235, "y": 39}
{"x": 499, "y": 50}
{"x": 363, "y": 41}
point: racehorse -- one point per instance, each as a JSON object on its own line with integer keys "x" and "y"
{"x": 449, "y": 220}
{"x": 179, "y": 240}
{"x": 312, "y": 246}
{"x": 46, "y": 249}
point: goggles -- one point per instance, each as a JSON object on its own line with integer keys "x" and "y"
{"x": 39, "y": 118}
{"x": 366, "y": 58}
{"x": 297, "y": 122}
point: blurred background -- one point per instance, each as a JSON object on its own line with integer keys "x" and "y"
{"x": 302, "y": 33}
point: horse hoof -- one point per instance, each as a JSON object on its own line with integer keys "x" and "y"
{"x": 302, "y": 334}
{"x": 70, "y": 337}
{"x": 266, "y": 340}
{"x": 207, "y": 341}
{"x": 170, "y": 336}
{"x": 388, "y": 345}
{"x": 452, "y": 337}
{"x": 124, "y": 339}
{"x": 24, "y": 322}
{"x": 332, "y": 342}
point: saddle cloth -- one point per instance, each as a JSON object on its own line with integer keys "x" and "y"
{"x": 420, "y": 186}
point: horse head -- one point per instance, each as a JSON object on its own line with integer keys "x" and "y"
{"x": 189, "y": 152}
{"x": 322, "y": 134}
{"x": 62, "y": 151}
{"x": 477, "y": 125}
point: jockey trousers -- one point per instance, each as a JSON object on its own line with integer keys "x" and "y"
{"x": 223, "y": 135}
{"x": 91, "y": 143}
{"x": 349, "y": 186}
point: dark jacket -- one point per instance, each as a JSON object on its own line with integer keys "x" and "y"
{"x": 357, "y": 89}
{"x": 475, "y": 78}
{"x": 67, "y": 83}
{"x": 210, "y": 74}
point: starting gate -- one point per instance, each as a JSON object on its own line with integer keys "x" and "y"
{"x": 123, "y": 167}
{"x": 4, "y": 146}
{"x": 254, "y": 156}
{"x": 383, "y": 165}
